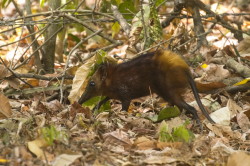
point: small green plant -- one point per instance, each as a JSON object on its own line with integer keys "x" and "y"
{"x": 51, "y": 134}
{"x": 180, "y": 133}
{"x": 164, "y": 134}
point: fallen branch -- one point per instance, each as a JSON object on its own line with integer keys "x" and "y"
{"x": 125, "y": 26}
{"x": 42, "y": 77}
{"x": 242, "y": 70}
{"x": 35, "y": 90}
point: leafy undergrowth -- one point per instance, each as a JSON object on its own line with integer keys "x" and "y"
{"x": 56, "y": 134}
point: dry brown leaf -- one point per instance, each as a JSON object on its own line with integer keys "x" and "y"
{"x": 24, "y": 69}
{"x": 77, "y": 108}
{"x": 144, "y": 143}
{"x": 243, "y": 48}
{"x": 32, "y": 81}
{"x": 92, "y": 46}
{"x": 201, "y": 146}
{"x": 233, "y": 107}
{"x": 5, "y": 109}
{"x": 53, "y": 105}
{"x": 102, "y": 117}
{"x": 175, "y": 145}
{"x": 206, "y": 87}
{"x": 221, "y": 116}
{"x": 4, "y": 72}
{"x": 243, "y": 121}
{"x": 120, "y": 51}
{"x": 219, "y": 145}
{"x": 14, "y": 83}
{"x": 238, "y": 159}
{"x": 24, "y": 153}
{"x": 159, "y": 160}
{"x": 36, "y": 145}
{"x": 247, "y": 112}
{"x": 215, "y": 73}
{"x": 117, "y": 138}
{"x": 224, "y": 131}
{"x": 65, "y": 159}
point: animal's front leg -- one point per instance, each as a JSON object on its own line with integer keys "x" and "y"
{"x": 125, "y": 104}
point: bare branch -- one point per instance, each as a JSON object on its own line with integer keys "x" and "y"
{"x": 90, "y": 28}
{"x": 125, "y": 26}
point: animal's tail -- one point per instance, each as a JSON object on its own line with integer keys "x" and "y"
{"x": 197, "y": 97}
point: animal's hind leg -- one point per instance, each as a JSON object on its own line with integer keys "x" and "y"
{"x": 191, "y": 110}
{"x": 175, "y": 98}
{"x": 180, "y": 103}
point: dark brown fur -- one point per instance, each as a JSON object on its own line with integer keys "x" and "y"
{"x": 161, "y": 72}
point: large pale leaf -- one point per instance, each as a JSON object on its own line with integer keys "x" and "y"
{"x": 65, "y": 159}
{"x": 79, "y": 81}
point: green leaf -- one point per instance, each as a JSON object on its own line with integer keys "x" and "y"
{"x": 74, "y": 38}
{"x": 104, "y": 107}
{"x": 42, "y": 3}
{"x": 91, "y": 103}
{"x": 158, "y": 2}
{"x": 168, "y": 113}
{"x": 153, "y": 118}
{"x": 164, "y": 135}
{"x": 126, "y": 8}
{"x": 100, "y": 57}
{"x": 182, "y": 134}
{"x": 105, "y": 6}
{"x": 116, "y": 2}
{"x": 72, "y": 5}
{"x": 115, "y": 29}
{"x": 5, "y": 3}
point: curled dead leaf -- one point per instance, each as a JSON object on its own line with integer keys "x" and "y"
{"x": 36, "y": 145}
{"x": 4, "y": 72}
{"x": 238, "y": 159}
{"x": 144, "y": 143}
{"x": 5, "y": 109}
{"x": 117, "y": 138}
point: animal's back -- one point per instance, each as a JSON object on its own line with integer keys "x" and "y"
{"x": 162, "y": 72}
{"x": 173, "y": 73}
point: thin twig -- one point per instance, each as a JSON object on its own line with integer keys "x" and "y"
{"x": 41, "y": 32}
{"x": 59, "y": 12}
{"x": 103, "y": 48}
{"x": 15, "y": 73}
{"x": 90, "y": 28}
{"x": 38, "y": 48}
{"x": 145, "y": 29}
{"x": 125, "y": 26}
{"x": 35, "y": 90}
{"x": 79, "y": 5}
{"x": 11, "y": 63}
{"x": 4, "y": 45}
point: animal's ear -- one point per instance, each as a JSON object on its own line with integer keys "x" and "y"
{"x": 103, "y": 71}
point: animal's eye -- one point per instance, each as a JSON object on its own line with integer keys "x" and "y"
{"x": 92, "y": 83}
